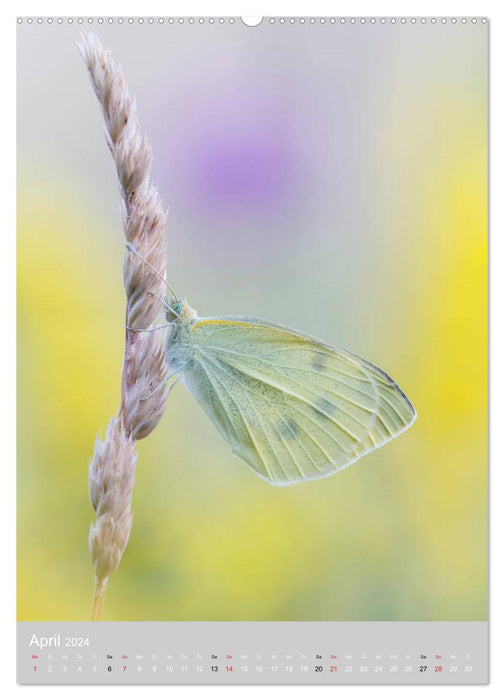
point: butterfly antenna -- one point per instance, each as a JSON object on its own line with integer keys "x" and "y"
{"x": 135, "y": 251}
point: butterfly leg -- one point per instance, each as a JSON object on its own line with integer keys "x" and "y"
{"x": 145, "y": 398}
{"x": 149, "y": 330}
{"x": 175, "y": 381}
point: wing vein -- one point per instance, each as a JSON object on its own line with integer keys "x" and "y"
{"x": 252, "y": 391}
{"x": 222, "y": 367}
{"x": 311, "y": 371}
{"x": 247, "y": 427}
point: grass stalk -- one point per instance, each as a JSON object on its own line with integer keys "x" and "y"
{"x": 143, "y": 381}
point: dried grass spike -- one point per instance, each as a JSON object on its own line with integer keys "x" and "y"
{"x": 143, "y": 390}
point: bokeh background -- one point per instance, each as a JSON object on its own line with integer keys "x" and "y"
{"x": 330, "y": 177}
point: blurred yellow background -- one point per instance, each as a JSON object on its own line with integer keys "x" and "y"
{"x": 387, "y": 259}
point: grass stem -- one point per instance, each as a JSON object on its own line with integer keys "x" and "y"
{"x": 98, "y": 600}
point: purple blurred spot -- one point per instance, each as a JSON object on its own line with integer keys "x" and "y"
{"x": 255, "y": 168}
{"x": 238, "y": 160}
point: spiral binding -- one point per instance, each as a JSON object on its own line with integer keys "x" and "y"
{"x": 233, "y": 20}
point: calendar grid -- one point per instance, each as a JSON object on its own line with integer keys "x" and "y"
{"x": 258, "y": 652}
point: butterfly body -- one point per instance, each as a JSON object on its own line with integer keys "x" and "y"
{"x": 291, "y": 406}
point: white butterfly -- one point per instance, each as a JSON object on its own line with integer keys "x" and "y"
{"x": 291, "y": 406}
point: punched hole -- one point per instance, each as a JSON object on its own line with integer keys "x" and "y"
{"x": 251, "y": 21}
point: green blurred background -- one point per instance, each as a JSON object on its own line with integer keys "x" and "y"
{"x": 340, "y": 190}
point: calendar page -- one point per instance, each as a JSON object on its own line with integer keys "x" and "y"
{"x": 252, "y": 350}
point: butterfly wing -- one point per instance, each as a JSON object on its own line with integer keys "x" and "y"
{"x": 291, "y": 406}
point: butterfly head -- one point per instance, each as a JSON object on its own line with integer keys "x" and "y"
{"x": 178, "y": 310}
